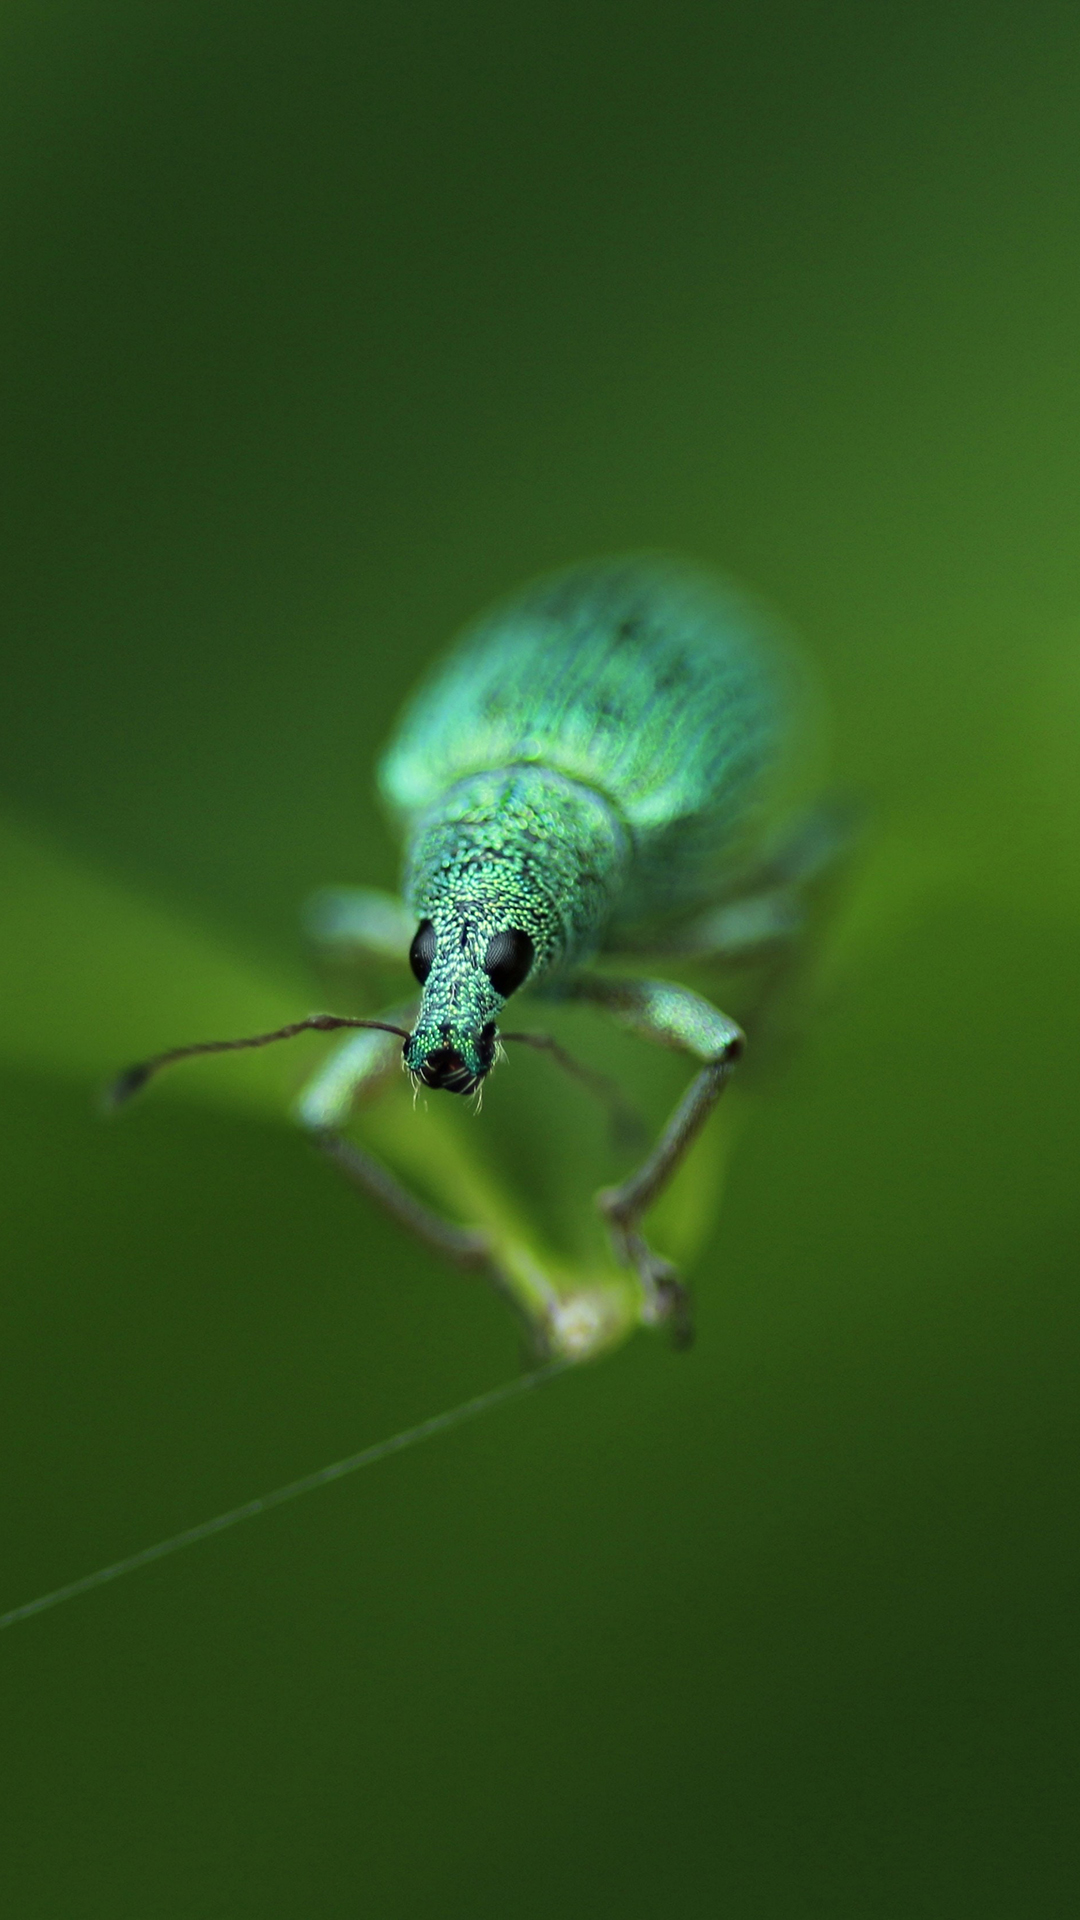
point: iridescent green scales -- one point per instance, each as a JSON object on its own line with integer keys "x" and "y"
{"x": 645, "y": 683}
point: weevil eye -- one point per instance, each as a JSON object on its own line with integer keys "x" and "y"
{"x": 422, "y": 951}
{"x": 508, "y": 959}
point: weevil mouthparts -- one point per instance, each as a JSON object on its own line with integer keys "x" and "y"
{"x": 446, "y": 1071}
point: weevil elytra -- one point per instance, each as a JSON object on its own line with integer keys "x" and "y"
{"x": 600, "y": 767}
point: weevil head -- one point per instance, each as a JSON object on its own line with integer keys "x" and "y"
{"x": 468, "y": 964}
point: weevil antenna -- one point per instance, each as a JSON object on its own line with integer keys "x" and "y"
{"x": 134, "y": 1078}
{"x": 625, "y": 1119}
{"x": 367, "y": 1457}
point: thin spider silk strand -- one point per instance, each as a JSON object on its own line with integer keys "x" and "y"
{"x": 367, "y": 1457}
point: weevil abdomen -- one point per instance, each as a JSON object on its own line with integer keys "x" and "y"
{"x": 642, "y": 682}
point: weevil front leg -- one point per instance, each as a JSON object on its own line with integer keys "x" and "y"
{"x": 775, "y": 926}
{"x": 359, "y": 923}
{"x": 358, "y": 1067}
{"x": 675, "y": 1017}
{"x": 775, "y": 906}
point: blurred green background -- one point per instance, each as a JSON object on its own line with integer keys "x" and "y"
{"x": 324, "y": 325}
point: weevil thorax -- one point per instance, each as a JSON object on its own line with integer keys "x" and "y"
{"x": 511, "y": 876}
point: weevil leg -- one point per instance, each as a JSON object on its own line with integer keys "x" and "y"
{"x": 772, "y": 906}
{"x": 754, "y": 927}
{"x": 357, "y": 1067}
{"x": 359, "y": 923}
{"x": 815, "y": 845}
{"x": 469, "y": 1248}
{"x": 674, "y": 1017}
{"x": 774, "y": 929}
{"x": 627, "y": 1126}
{"x": 464, "y": 1246}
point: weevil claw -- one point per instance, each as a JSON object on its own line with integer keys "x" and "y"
{"x": 667, "y": 1299}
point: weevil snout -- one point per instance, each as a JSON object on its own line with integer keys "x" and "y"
{"x": 468, "y": 968}
{"x": 438, "y": 1063}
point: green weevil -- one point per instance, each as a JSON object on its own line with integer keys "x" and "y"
{"x": 600, "y": 767}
